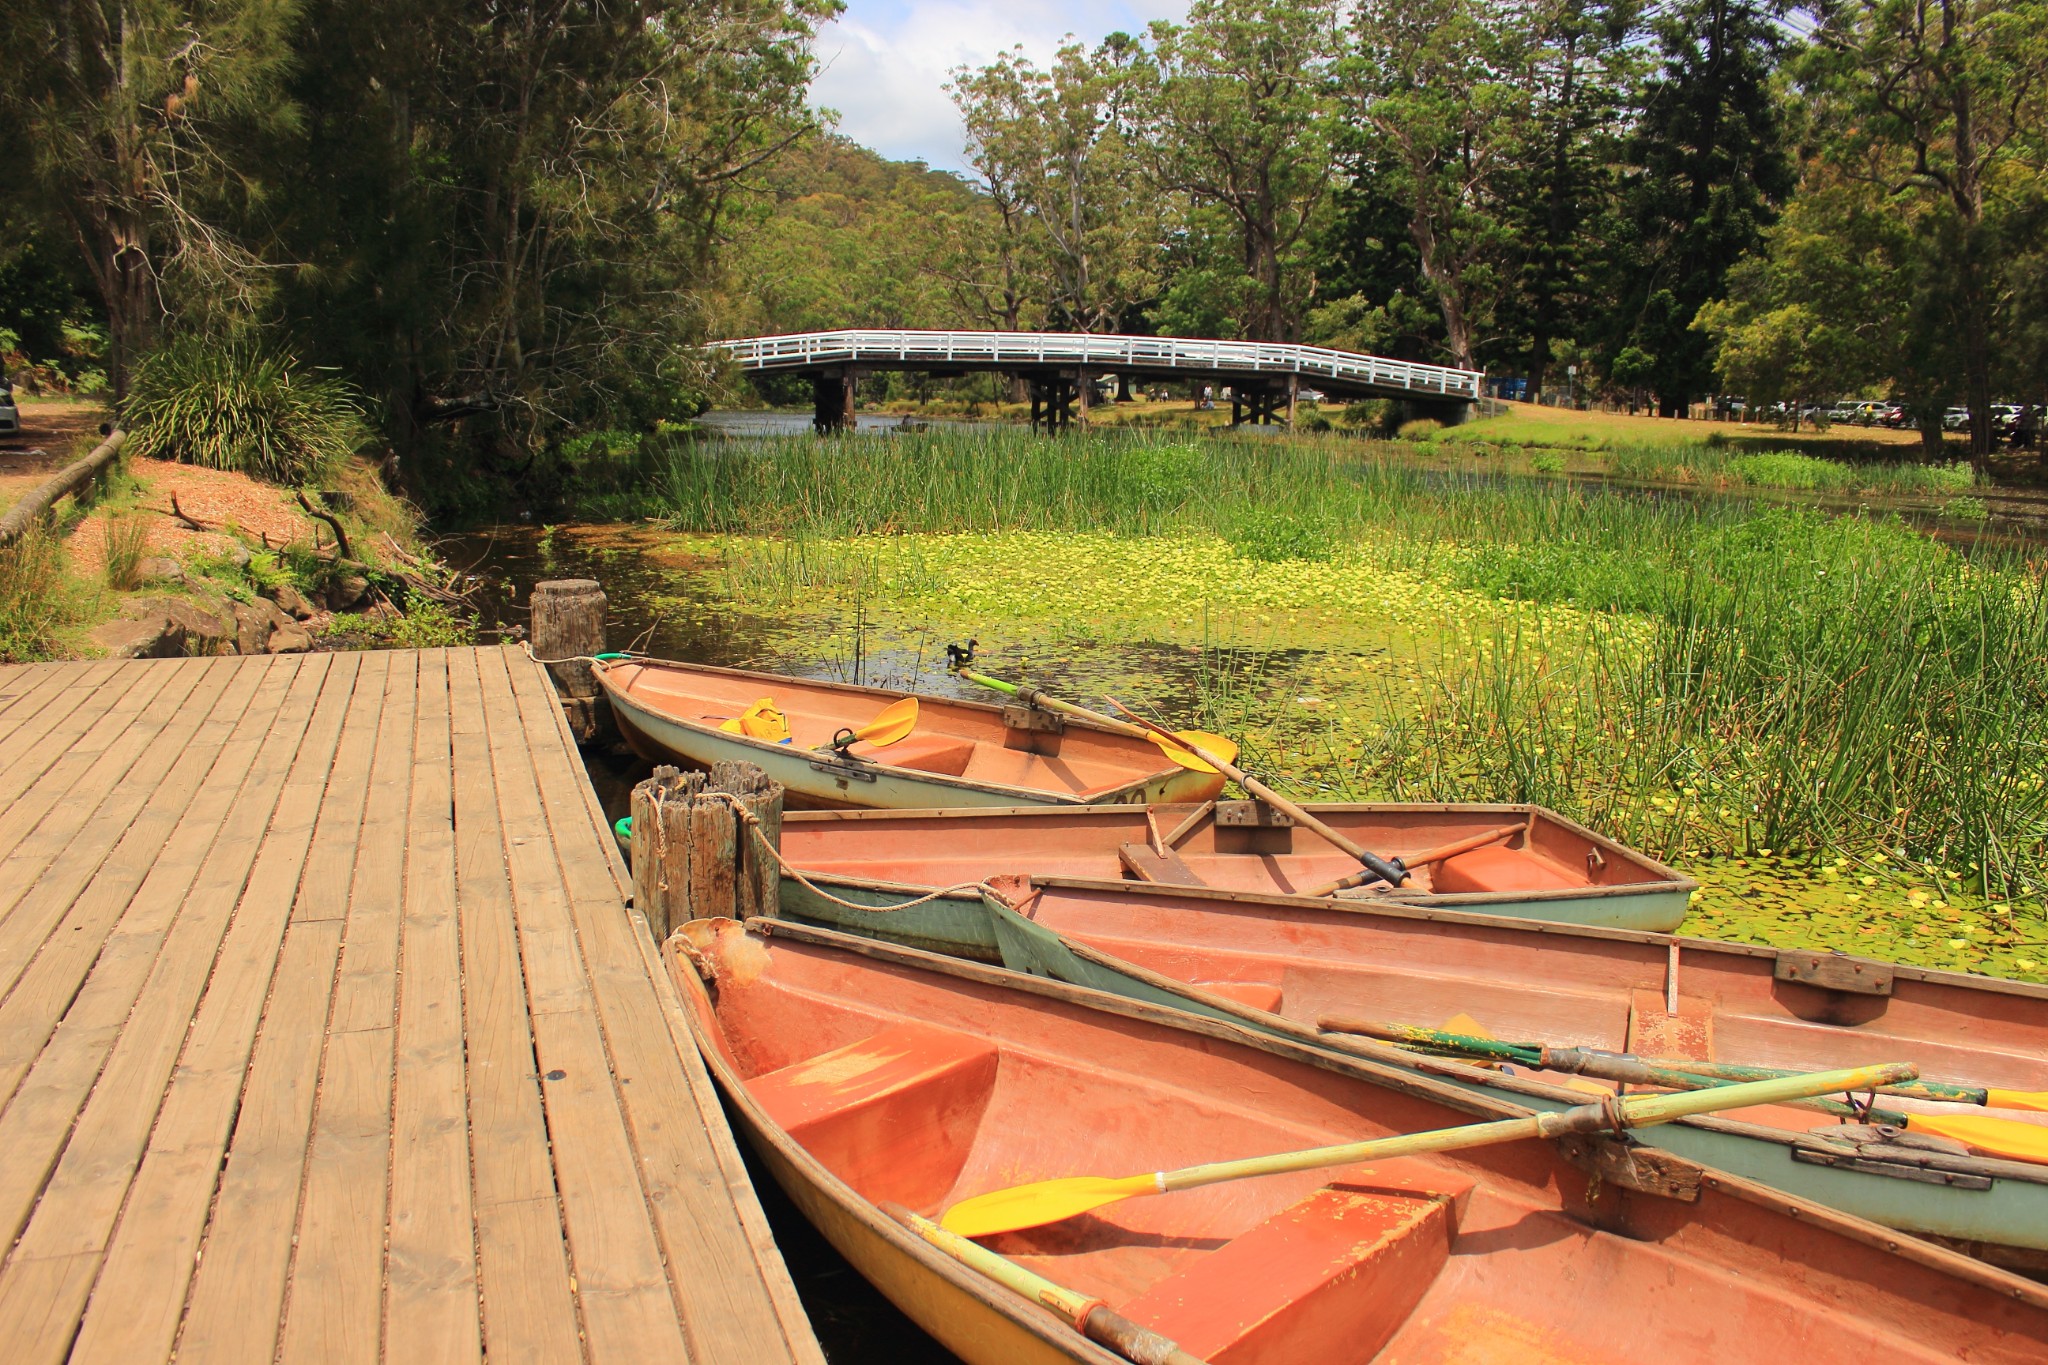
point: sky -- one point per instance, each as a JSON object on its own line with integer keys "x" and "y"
{"x": 885, "y": 63}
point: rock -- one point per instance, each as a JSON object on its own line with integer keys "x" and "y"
{"x": 254, "y": 624}
{"x": 159, "y": 569}
{"x": 206, "y": 624}
{"x": 153, "y": 637}
{"x": 239, "y": 555}
{"x": 291, "y": 600}
{"x": 346, "y": 592}
{"x": 292, "y": 639}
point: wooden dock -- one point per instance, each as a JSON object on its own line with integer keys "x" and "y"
{"x": 325, "y": 1034}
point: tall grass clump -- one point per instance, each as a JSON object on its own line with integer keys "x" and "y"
{"x": 241, "y": 406}
{"x": 37, "y": 598}
{"x": 127, "y": 542}
{"x": 1807, "y": 682}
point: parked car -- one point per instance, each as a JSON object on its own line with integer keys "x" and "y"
{"x": 1895, "y": 416}
{"x": 10, "y": 415}
{"x": 2004, "y": 417}
{"x": 1956, "y": 419}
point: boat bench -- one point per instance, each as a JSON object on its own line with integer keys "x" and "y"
{"x": 941, "y": 754}
{"x": 1501, "y": 869}
{"x": 894, "y": 1115}
{"x": 1331, "y": 1277}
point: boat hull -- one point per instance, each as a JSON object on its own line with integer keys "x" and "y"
{"x": 951, "y": 848}
{"x": 824, "y": 781}
{"x": 926, "y": 1081}
{"x": 1416, "y": 965}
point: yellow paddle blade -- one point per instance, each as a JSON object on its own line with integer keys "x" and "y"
{"x": 1215, "y": 744}
{"x": 2017, "y": 1099}
{"x": 896, "y": 722}
{"x": 1048, "y": 1201}
{"x": 2008, "y": 1138}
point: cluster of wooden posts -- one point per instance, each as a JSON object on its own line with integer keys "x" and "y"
{"x": 692, "y": 851}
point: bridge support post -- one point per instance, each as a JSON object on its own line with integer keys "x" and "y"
{"x": 832, "y": 402}
{"x": 1293, "y": 397}
{"x": 1052, "y": 403}
{"x": 1083, "y": 391}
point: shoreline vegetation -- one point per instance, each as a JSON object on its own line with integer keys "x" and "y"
{"x": 1836, "y": 720}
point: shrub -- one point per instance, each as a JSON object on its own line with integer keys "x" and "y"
{"x": 36, "y": 598}
{"x": 1273, "y": 535}
{"x": 1547, "y": 462}
{"x": 240, "y": 406}
{"x": 1421, "y": 429}
{"x": 1967, "y": 508}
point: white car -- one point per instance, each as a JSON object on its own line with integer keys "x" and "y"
{"x": 10, "y": 415}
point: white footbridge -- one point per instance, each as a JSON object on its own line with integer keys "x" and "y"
{"x": 1263, "y": 377}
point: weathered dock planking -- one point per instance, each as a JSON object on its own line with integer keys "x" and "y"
{"x": 325, "y": 1035}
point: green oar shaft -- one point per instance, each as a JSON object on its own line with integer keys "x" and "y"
{"x": 1633, "y": 1111}
{"x": 1093, "y": 1318}
{"x": 1585, "y": 1061}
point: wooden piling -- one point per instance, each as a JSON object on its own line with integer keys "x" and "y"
{"x": 568, "y": 622}
{"x": 692, "y": 855}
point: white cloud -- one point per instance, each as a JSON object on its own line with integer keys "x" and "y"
{"x": 886, "y": 62}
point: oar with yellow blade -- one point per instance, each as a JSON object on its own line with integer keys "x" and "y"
{"x": 2007, "y": 1138}
{"x": 1091, "y": 1317}
{"x": 1176, "y": 744}
{"x": 1050, "y": 1201}
{"x": 895, "y": 723}
{"x": 1373, "y": 863}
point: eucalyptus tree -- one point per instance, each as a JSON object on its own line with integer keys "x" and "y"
{"x": 1443, "y": 93}
{"x": 1940, "y": 104}
{"x": 131, "y": 121}
{"x": 1054, "y": 148}
{"x": 1242, "y": 113}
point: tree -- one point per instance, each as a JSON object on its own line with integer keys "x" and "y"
{"x": 133, "y": 119}
{"x": 1709, "y": 172}
{"x": 1241, "y": 108}
{"x": 1939, "y": 102}
{"x": 507, "y": 223}
{"x": 1443, "y": 97}
{"x": 1057, "y": 145}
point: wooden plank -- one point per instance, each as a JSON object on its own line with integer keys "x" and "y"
{"x": 84, "y": 1194}
{"x": 231, "y": 1082}
{"x": 622, "y": 1285}
{"x": 710, "y": 1224}
{"x": 25, "y": 759}
{"x": 431, "y": 1304}
{"x": 115, "y": 962}
{"x": 47, "y": 872}
{"x": 1163, "y": 866}
{"x": 36, "y": 701}
{"x": 336, "y": 1311}
{"x": 60, "y": 797}
{"x": 523, "y": 1265}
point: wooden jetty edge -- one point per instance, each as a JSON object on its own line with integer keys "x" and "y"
{"x": 325, "y": 1034}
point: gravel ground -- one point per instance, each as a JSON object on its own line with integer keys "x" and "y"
{"x": 208, "y": 496}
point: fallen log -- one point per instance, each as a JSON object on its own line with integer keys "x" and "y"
{"x": 70, "y": 479}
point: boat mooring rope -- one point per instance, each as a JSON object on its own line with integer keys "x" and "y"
{"x": 753, "y": 824}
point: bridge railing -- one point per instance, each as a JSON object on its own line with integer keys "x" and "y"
{"x": 997, "y": 350}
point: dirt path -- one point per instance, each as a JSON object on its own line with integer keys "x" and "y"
{"x": 52, "y": 435}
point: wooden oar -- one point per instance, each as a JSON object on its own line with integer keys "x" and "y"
{"x": 1374, "y": 864}
{"x": 1422, "y": 859}
{"x": 2007, "y": 1138}
{"x": 895, "y": 722}
{"x": 1092, "y": 1318}
{"x": 1050, "y": 1201}
{"x": 1178, "y": 744}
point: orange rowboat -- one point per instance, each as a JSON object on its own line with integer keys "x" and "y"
{"x": 866, "y": 1074}
{"x": 1525, "y": 861}
{"x": 960, "y": 753}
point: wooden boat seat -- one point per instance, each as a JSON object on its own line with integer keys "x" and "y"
{"x": 946, "y": 754}
{"x": 1501, "y": 869}
{"x": 894, "y": 1114}
{"x": 1332, "y": 1277}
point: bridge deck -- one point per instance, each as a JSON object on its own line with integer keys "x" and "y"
{"x": 325, "y": 1034}
{"x": 1343, "y": 372}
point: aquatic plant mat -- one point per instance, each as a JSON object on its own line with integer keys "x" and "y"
{"x": 1837, "y": 723}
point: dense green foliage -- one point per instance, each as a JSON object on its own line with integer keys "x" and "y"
{"x": 236, "y": 406}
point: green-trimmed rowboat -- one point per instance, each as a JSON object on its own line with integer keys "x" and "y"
{"x": 1542, "y": 866}
{"x": 1279, "y": 963}
{"x": 962, "y": 753}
